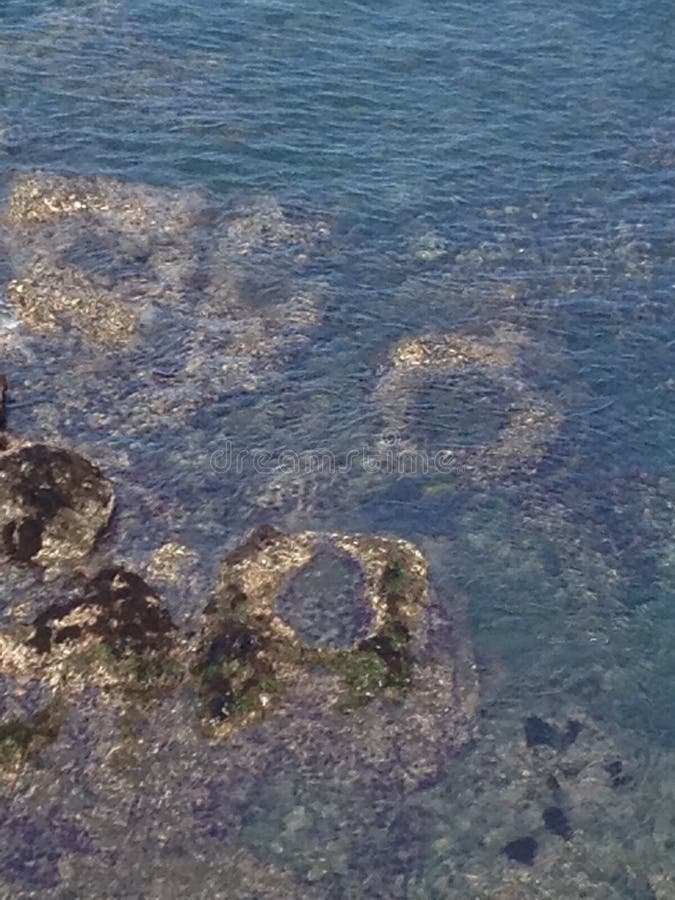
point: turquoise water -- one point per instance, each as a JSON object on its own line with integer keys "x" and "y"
{"x": 480, "y": 165}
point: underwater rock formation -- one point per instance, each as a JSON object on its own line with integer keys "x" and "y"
{"x": 264, "y": 225}
{"x": 382, "y": 699}
{"x": 91, "y": 254}
{"x": 249, "y": 654}
{"x": 116, "y": 633}
{"x": 438, "y": 361}
{"x": 197, "y": 302}
{"x": 52, "y": 295}
{"x": 53, "y": 504}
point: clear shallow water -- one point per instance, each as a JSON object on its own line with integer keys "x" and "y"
{"x": 534, "y": 150}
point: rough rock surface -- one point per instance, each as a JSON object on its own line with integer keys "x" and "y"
{"x": 532, "y": 423}
{"x": 385, "y": 695}
{"x": 53, "y": 504}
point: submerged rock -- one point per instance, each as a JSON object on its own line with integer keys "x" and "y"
{"x": 91, "y": 254}
{"x": 251, "y": 658}
{"x": 53, "y": 294}
{"x": 116, "y": 633}
{"x": 53, "y": 504}
{"x": 264, "y": 224}
{"x": 429, "y": 366}
{"x": 522, "y": 850}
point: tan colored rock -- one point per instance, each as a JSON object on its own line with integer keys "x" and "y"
{"x": 170, "y": 561}
{"x": 532, "y": 422}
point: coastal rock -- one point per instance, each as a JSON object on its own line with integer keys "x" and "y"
{"x": 52, "y": 295}
{"x": 437, "y": 366}
{"x": 378, "y": 691}
{"x": 116, "y": 632}
{"x": 91, "y": 254}
{"x": 53, "y": 504}
{"x": 248, "y": 653}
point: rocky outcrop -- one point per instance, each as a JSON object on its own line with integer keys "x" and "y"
{"x": 53, "y": 504}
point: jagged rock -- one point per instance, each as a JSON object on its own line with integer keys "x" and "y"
{"x": 53, "y": 504}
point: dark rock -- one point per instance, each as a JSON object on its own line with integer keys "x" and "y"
{"x": 53, "y": 504}
{"x": 118, "y": 609}
{"x": 556, "y": 821}
{"x": 572, "y": 731}
{"x": 522, "y": 850}
{"x": 615, "y": 770}
{"x": 234, "y": 668}
{"x": 539, "y": 733}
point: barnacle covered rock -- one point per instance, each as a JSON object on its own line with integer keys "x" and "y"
{"x": 116, "y": 633}
{"x": 250, "y": 652}
{"x": 93, "y": 253}
{"x": 53, "y": 504}
{"x": 51, "y": 295}
{"x": 525, "y": 423}
{"x": 39, "y": 197}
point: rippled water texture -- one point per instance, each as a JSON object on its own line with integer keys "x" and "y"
{"x": 378, "y": 230}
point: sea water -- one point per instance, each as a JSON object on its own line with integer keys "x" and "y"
{"x": 482, "y": 166}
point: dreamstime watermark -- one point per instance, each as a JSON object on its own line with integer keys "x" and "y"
{"x": 390, "y": 457}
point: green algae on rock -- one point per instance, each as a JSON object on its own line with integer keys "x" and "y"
{"x": 116, "y": 634}
{"x": 419, "y": 364}
{"x": 249, "y": 654}
{"x": 53, "y": 504}
{"x": 22, "y": 740}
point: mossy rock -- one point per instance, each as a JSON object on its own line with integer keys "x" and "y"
{"x": 22, "y": 740}
{"x": 249, "y": 655}
{"x": 116, "y": 632}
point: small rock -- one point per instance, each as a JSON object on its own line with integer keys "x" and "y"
{"x": 118, "y": 608}
{"x": 170, "y": 562}
{"x": 53, "y": 505}
{"x": 556, "y": 821}
{"x": 522, "y": 850}
{"x": 539, "y": 733}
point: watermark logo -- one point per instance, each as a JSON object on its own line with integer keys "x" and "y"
{"x": 390, "y": 457}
